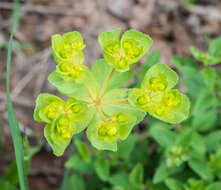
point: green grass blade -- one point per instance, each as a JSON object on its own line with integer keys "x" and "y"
{"x": 13, "y": 122}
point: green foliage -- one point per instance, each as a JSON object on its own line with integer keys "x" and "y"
{"x": 212, "y": 56}
{"x": 102, "y": 168}
{"x": 97, "y": 101}
{"x": 157, "y": 98}
{"x": 121, "y": 54}
{"x": 10, "y": 179}
{"x": 160, "y": 155}
{"x": 83, "y": 150}
{"x": 136, "y": 175}
{"x": 191, "y": 2}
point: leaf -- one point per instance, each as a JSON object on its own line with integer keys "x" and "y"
{"x": 214, "y": 186}
{"x": 194, "y": 84}
{"x": 69, "y": 87}
{"x": 137, "y": 174}
{"x": 119, "y": 179}
{"x": 198, "y": 55}
{"x": 184, "y": 138}
{"x": 198, "y": 143}
{"x": 215, "y": 163}
{"x": 82, "y": 167}
{"x": 6, "y": 185}
{"x": 154, "y": 71}
{"x": 213, "y": 140}
{"x": 196, "y": 184}
{"x": 76, "y": 182}
{"x": 161, "y": 173}
{"x": 141, "y": 150}
{"x": 205, "y": 121}
{"x": 11, "y": 175}
{"x": 199, "y": 165}
{"x": 192, "y": 78}
{"x": 205, "y": 111}
{"x": 101, "y": 71}
{"x": 185, "y": 65}
{"x": 215, "y": 47}
{"x": 13, "y": 122}
{"x": 205, "y": 102}
{"x": 29, "y": 151}
{"x": 102, "y": 168}
{"x": 152, "y": 59}
{"x": 117, "y": 95}
{"x": 73, "y": 161}
{"x": 174, "y": 184}
{"x": 205, "y": 57}
{"x": 161, "y": 133}
{"x": 83, "y": 150}
{"x": 94, "y": 183}
{"x": 125, "y": 147}
{"x": 209, "y": 75}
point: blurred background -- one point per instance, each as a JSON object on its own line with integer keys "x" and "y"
{"x": 174, "y": 25}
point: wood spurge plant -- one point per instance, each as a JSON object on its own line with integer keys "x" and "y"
{"x": 96, "y": 100}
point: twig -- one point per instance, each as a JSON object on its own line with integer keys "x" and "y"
{"x": 45, "y": 9}
{"x": 25, "y": 80}
{"x": 208, "y": 11}
{"x": 19, "y": 100}
{"x": 28, "y": 77}
{"x": 41, "y": 77}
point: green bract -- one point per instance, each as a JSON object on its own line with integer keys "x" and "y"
{"x": 76, "y": 72}
{"x": 120, "y": 54}
{"x": 157, "y": 98}
{"x": 96, "y": 100}
{"x": 68, "y": 47}
{"x": 104, "y": 134}
{"x": 67, "y": 52}
{"x": 62, "y": 119}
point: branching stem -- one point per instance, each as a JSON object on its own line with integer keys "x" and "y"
{"x": 89, "y": 92}
{"x": 106, "y": 84}
{"x": 100, "y": 112}
{"x": 117, "y": 102}
{"x": 97, "y": 100}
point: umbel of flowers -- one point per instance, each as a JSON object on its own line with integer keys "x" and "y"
{"x": 96, "y": 102}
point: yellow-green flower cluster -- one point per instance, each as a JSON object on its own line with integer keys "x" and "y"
{"x": 104, "y": 134}
{"x": 157, "y": 98}
{"x": 110, "y": 128}
{"x": 176, "y": 156}
{"x": 96, "y": 100}
{"x": 61, "y": 118}
{"x": 205, "y": 57}
{"x": 121, "y": 54}
{"x": 67, "y": 52}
